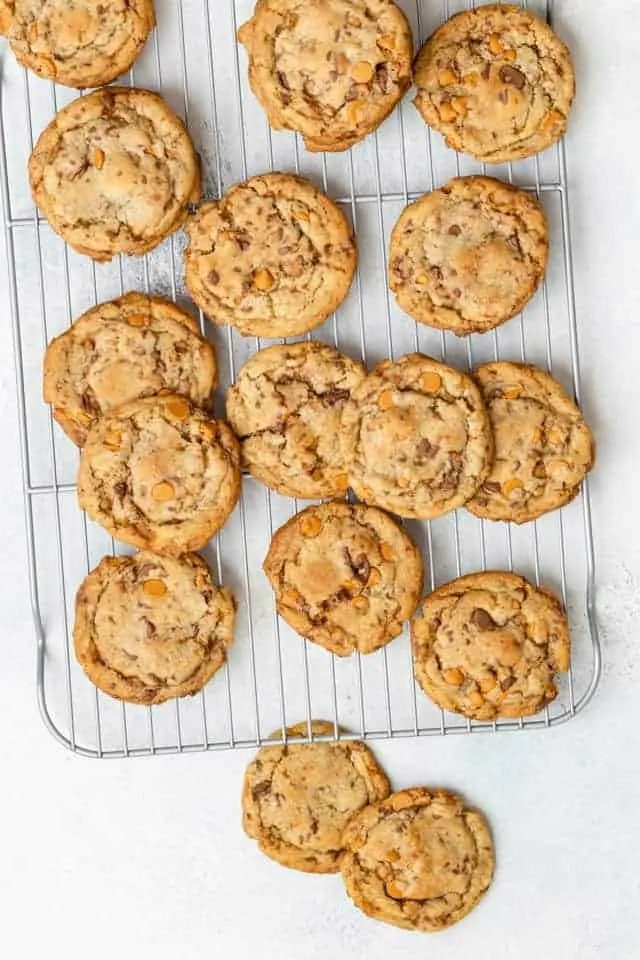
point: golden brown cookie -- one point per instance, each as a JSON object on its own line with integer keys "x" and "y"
{"x": 488, "y": 645}
{"x": 469, "y": 256}
{"x": 345, "y": 576}
{"x": 160, "y": 474}
{"x": 496, "y": 82}
{"x": 297, "y": 799}
{"x": 331, "y": 69}
{"x": 119, "y": 351}
{"x": 416, "y": 437}
{"x": 420, "y": 859}
{"x": 80, "y": 43}
{"x": 149, "y": 628}
{"x": 274, "y": 258}
{"x": 115, "y": 172}
{"x": 285, "y": 407}
{"x": 544, "y": 448}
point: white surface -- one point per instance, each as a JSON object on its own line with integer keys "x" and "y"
{"x": 146, "y": 858}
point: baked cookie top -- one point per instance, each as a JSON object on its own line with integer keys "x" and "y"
{"x": 331, "y": 69}
{"x": 114, "y": 172}
{"x": 496, "y": 82}
{"x": 150, "y": 628}
{"x": 160, "y": 474}
{"x": 468, "y": 257}
{"x": 297, "y": 799}
{"x": 416, "y": 437}
{"x": 544, "y": 448}
{"x": 79, "y": 43}
{"x": 419, "y": 859}
{"x": 286, "y": 407}
{"x": 274, "y": 258}
{"x": 488, "y": 646}
{"x": 132, "y": 347}
{"x": 345, "y": 576}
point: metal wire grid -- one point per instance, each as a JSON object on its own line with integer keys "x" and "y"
{"x": 273, "y": 678}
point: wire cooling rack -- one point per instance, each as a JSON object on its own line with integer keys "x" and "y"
{"x": 273, "y": 678}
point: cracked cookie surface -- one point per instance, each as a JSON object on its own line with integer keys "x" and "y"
{"x": 489, "y": 645}
{"x": 469, "y": 256}
{"x": 286, "y": 407}
{"x": 150, "y": 628}
{"x": 79, "y": 43}
{"x": 420, "y": 859}
{"x": 544, "y": 448}
{"x": 496, "y": 82}
{"x": 115, "y": 172}
{"x": 122, "y": 350}
{"x": 416, "y": 437}
{"x": 346, "y": 576}
{"x": 274, "y": 258}
{"x": 331, "y": 69}
{"x": 159, "y": 473}
{"x": 297, "y": 799}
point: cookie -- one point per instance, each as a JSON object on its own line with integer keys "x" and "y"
{"x": 496, "y": 82}
{"x": 331, "y": 69}
{"x": 286, "y": 407}
{"x": 420, "y": 859}
{"x": 297, "y": 799}
{"x": 345, "y": 576}
{"x": 160, "y": 474}
{"x": 115, "y": 172}
{"x": 274, "y": 258}
{"x": 469, "y": 256}
{"x": 150, "y": 628}
{"x": 489, "y": 645}
{"x": 544, "y": 448}
{"x": 416, "y": 438}
{"x": 79, "y": 43}
{"x": 119, "y": 351}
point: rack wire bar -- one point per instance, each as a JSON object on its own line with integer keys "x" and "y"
{"x": 274, "y": 678}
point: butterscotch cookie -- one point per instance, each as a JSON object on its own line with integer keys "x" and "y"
{"x": 544, "y": 448}
{"x": 80, "y": 43}
{"x": 286, "y": 407}
{"x": 489, "y": 645}
{"x": 416, "y": 437}
{"x": 297, "y": 799}
{"x": 496, "y": 82}
{"x": 150, "y": 628}
{"x": 469, "y": 256}
{"x": 160, "y": 474}
{"x": 331, "y": 69}
{"x": 119, "y": 351}
{"x": 274, "y": 258}
{"x": 345, "y": 576}
{"x": 420, "y": 859}
{"x": 114, "y": 172}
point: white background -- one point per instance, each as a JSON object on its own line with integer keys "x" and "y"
{"x": 147, "y": 859}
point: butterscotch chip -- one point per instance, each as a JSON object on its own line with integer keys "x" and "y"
{"x": 97, "y": 158}
{"x": 331, "y": 69}
{"x": 286, "y": 408}
{"x": 297, "y": 799}
{"x": 149, "y": 628}
{"x": 420, "y": 859}
{"x": 544, "y": 448}
{"x": 424, "y": 452}
{"x": 79, "y": 43}
{"x": 493, "y": 625}
{"x": 469, "y": 256}
{"x": 172, "y": 483}
{"x": 138, "y": 196}
{"x": 514, "y": 83}
{"x": 326, "y": 570}
{"x": 179, "y": 408}
{"x": 132, "y": 347}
